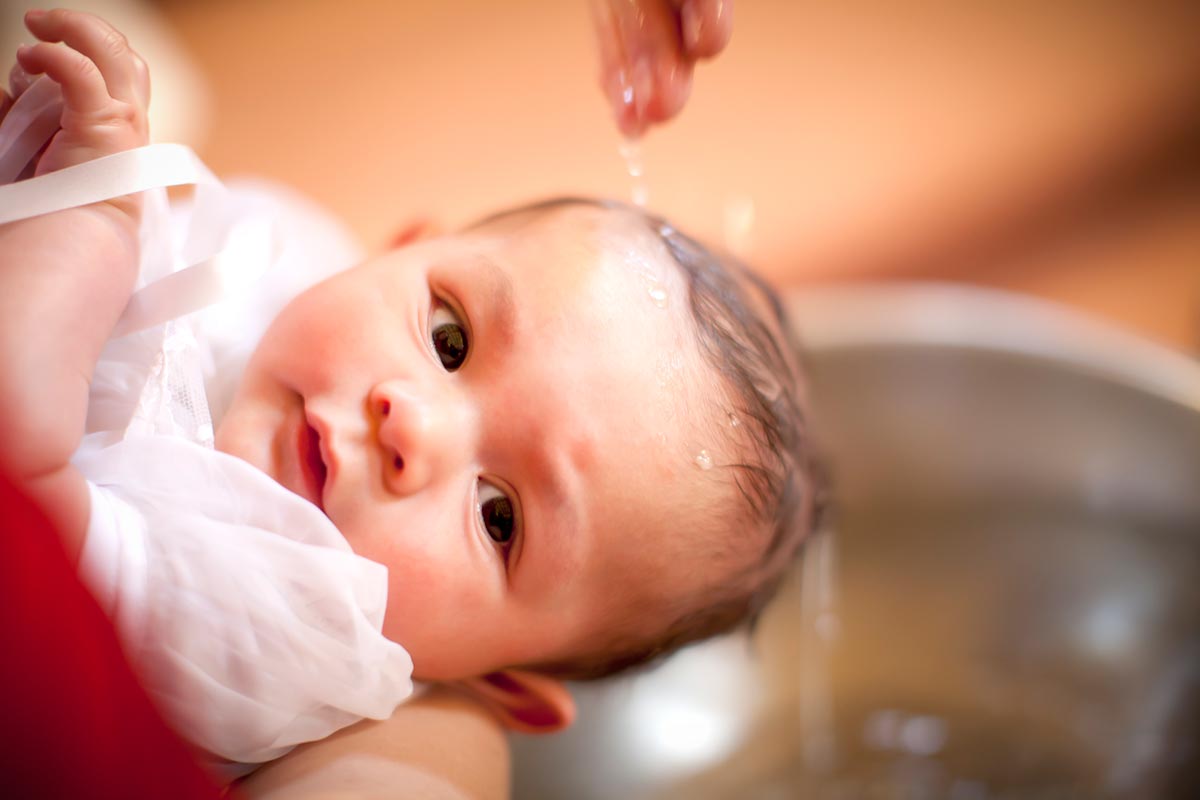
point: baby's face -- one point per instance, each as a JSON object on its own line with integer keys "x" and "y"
{"x": 505, "y": 419}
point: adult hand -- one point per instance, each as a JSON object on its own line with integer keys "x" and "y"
{"x": 648, "y": 49}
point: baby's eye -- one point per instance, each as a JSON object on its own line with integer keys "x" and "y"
{"x": 449, "y": 337}
{"x": 498, "y": 513}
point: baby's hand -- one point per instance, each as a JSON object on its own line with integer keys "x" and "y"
{"x": 105, "y": 87}
{"x": 648, "y": 49}
{"x": 18, "y": 82}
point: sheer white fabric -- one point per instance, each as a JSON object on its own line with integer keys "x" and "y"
{"x": 250, "y": 621}
{"x": 247, "y": 616}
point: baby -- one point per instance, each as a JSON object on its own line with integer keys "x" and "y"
{"x": 573, "y": 436}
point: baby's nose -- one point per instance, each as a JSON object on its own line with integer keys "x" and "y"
{"x": 424, "y": 433}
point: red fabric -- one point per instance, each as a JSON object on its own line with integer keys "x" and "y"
{"x": 75, "y": 723}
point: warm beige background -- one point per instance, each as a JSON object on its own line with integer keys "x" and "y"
{"x": 1048, "y": 147}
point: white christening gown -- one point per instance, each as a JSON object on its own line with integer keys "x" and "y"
{"x": 242, "y": 608}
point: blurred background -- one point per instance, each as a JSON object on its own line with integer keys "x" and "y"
{"x": 1005, "y": 603}
{"x": 1050, "y": 148}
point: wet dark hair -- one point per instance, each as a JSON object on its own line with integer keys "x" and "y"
{"x": 744, "y": 334}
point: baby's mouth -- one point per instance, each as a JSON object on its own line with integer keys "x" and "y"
{"x": 312, "y": 466}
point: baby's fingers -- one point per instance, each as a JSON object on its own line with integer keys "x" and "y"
{"x": 123, "y": 70}
{"x": 82, "y": 84}
{"x": 18, "y": 80}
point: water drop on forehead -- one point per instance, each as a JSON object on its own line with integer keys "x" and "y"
{"x": 704, "y": 460}
{"x": 650, "y": 280}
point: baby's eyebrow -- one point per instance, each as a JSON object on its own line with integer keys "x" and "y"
{"x": 499, "y": 306}
{"x": 556, "y": 545}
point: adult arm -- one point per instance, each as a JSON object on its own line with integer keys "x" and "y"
{"x": 441, "y": 745}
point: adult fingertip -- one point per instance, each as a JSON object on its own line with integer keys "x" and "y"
{"x": 693, "y": 27}
{"x": 631, "y": 124}
{"x": 707, "y": 26}
{"x": 674, "y": 83}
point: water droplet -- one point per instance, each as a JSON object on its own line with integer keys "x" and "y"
{"x": 704, "y": 460}
{"x": 640, "y": 194}
{"x": 633, "y": 165}
{"x": 659, "y": 296}
{"x": 631, "y": 152}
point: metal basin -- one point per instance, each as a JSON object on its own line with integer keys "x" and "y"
{"x": 1006, "y": 603}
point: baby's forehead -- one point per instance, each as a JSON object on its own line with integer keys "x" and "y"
{"x": 600, "y": 225}
{"x": 608, "y": 252}
{"x": 661, "y": 430}
{"x": 618, "y": 256}
{"x": 605, "y": 286}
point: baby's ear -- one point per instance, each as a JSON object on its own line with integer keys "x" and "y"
{"x": 524, "y": 701}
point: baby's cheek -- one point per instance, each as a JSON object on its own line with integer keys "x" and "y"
{"x": 232, "y": 437}
{"x": 430, "y": 608}
{"x": 250, "y": 424}
{"x": 413, "y": 550}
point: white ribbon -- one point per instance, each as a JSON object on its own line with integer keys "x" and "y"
{"x": 200, "y": 279}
